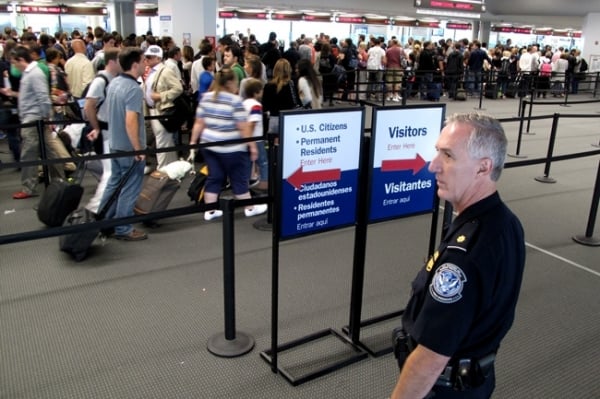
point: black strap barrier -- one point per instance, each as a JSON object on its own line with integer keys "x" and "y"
{"x": 588, "y": 238}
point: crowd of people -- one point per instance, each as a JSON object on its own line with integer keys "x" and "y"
{"x": 43, "y": 77}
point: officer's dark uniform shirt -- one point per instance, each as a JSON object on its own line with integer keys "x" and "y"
{"x": 463, "y": 300}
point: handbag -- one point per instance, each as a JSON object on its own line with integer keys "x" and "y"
{"x": 196, "y": 189}
{"x": 179, "y": 113}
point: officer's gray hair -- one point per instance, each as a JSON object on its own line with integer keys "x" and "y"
{"x": 487, "y": 139}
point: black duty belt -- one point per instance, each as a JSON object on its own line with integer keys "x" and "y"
{"x": 466, "y": 373}
{"x": 460, "y": 375}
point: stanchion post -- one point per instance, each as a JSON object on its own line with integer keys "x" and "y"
{"x": 41, "y": 126}
{"x": 529, "y": 114}
{"x": 360, "y": 250}
{"x": 520, "y": 134}
{"x": 232, "y": 343}
{"x": 546, "y": 178}
{"x": 266, "y": 224}
{"x": 588, "y": 238}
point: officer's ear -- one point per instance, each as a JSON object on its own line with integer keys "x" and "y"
{"x": 485, "y": 166}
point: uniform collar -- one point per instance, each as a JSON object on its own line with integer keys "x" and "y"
{"x": 474, "y": 211}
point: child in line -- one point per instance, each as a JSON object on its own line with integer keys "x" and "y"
{"x": 254, "y": 90}
{"x": 207, "y": 76}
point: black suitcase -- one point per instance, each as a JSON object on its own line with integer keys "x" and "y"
{"x": 156, "y": 194}
{"x": 512, "y": 89}
{"x": 78, "y": 244}
{"x": 434, "y": 91}
{"x": 491, "y": 91}
{"x": 61, "y": 198}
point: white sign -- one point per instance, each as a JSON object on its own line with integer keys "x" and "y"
{"x": 166, "y": 25}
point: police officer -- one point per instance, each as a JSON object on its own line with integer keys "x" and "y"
{"x": 463, "y": 301}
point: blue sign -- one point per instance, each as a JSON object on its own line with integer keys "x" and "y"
{"x": 320, "y": 153}
{"x": 402, "y": 145}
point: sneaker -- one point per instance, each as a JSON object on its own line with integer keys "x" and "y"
{"x": 148, "y": 169}
{"x": 210, "y": 215}
{"x": 23, "y": 195}
{"x": 256, "y": 210}
{"x": 254, "y": 182}
{"x": 397, "y": 99}
{"x": 2, "y": 135}
{"x": 134, "y": 235}
{"x": 389, "y": 98}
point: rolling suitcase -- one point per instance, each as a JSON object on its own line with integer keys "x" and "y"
{"x": 78, "y": 244}
{"x": 491, "y": 91}
{"x": 434, "y": 91}
{"x": 156, "y": 194}
{"x": 60, "y": 198}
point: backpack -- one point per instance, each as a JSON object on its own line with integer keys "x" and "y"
{"x": 546, "y": 69}
{"x": 87, "y": 88}
{"x": 324, "y": 65}
{"x": 505, "y": 67}
{"x": 583, "y": 66}
{"x": 86, "y": 145}
{"x": 353, "y": 58}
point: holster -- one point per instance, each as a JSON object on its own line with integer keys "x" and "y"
{"x": 464, "y": 374}
{"x": 402, "y": 345}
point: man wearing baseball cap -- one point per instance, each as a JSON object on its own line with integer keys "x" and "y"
{"x": 161, "y": 88}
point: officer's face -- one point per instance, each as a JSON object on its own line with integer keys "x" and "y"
{"x": 455, "y": 171}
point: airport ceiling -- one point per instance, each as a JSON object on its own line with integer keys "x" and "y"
{"x": 560, "y": 14}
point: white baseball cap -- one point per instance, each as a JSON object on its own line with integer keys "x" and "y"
{"x": 154, "y": 51}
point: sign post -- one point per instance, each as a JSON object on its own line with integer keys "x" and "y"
{"x": 316, "y": 190}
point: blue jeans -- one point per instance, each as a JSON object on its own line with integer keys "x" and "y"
{"x": 123, "y": 206}
{"x": 262, "y": 161}
{"x": 473, "y": 80}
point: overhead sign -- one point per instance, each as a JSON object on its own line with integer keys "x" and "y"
{"x": 320, "y": 157}
{"x": 469, "y": 6}
{"x": 402, "y": 145}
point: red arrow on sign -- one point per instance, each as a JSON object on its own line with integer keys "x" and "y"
{"x": 300, "y": 177}
{"x": 394, "y": 165}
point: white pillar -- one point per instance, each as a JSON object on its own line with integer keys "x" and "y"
{"x": 189, "y": 20}
{"x": 122, "y": 17}
{"x": 591, "y": 35}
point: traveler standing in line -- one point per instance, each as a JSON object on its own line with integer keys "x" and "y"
{"x": 375, "y": 65}
{"x": 126, "y": 130}
{"x": 161, "y": 88}
{"x": 221, "y": 116}
{"x": 279, "y": 94}
{"x": 475, "y": 67}
{"x": 80, "y": 70}
{"x": 309, "y": 88}
{"x": 463, "y": 300}
{"x": 96, "y": 112}
{"x": 393, "y": 73}
{"x": 34, "y": 105}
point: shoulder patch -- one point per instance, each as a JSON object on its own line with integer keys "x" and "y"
{"x": 447, "y": 283}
